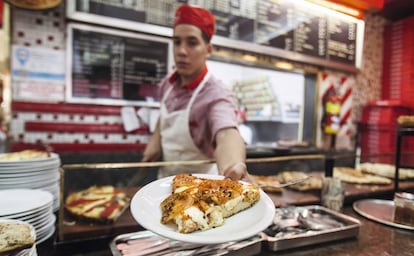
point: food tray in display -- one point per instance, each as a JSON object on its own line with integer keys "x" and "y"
{"x": 295, "y": 227}
{"x": 144, "y": 243}
{"x": 378, "y": 210}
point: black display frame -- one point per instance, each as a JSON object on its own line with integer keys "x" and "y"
{"x": 141, "y": 40}
{"x": 137, "y": 23}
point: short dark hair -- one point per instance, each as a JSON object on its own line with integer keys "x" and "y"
{"x": 205, "y": 37}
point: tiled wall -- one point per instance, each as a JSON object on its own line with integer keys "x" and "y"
{"x": 368, "y": 80}
{"x": 64, "y": 127}
{"x": 71, "y": 127}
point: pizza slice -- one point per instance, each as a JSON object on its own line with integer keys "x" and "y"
{"x": 351, "y": 175}
{"x": 200, "y": 204}
{"x": 100, "y": 203}
{"x": 15, "y": 237}
{"x": 386, "y": 170}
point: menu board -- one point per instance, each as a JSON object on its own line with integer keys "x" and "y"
{"x": 300, "y": 27}
{"x": 113, "y": 65}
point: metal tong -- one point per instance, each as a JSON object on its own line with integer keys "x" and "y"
{"x": 292, "y": 182}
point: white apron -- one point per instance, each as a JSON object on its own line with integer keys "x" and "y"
{"x": 177, "y": 143}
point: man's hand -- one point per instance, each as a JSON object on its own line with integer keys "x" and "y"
{"x": 151, "y": 154}
{"x": 237, "y": 171}
{"x": 230, "y": 154}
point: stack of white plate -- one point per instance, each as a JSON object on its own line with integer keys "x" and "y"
{"x": 42, "y": 173}
{"x": 33, "y": 206}
{"x": 32, "y": 251}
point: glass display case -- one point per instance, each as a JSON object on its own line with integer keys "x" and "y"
{"x": 129, "y": 177}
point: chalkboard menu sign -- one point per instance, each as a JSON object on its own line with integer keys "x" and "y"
{"x": 115, "y": 66}
{"x": 298, "y": 27}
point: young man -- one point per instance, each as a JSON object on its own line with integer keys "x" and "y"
{"x": 198, "y": 114}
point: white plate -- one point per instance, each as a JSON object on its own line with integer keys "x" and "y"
{"x": 145, "y": 208}
{"x": 47, "y": 225}
{"x": 43, "y": 210}
{"x": 40, "y": 223}
{"x": 43, "y": 237}
{"x": 14, "y": 201}
{"x": 28, "y": 167}
{"x": 32, "y": 184}
{"x": 31, "y": 178}
{"x": 12, "y": 174}
{"x": 40, "y": 161}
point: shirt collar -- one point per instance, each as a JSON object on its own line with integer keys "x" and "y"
{"x": 193, "y": 84}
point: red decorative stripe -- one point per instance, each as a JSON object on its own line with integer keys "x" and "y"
{"x": 346, "y": 95}
{"x": 80, "y": 128}
{"x": 65, "y": 108}
{"x": 345, "y": 117}
{"x": 78, "y": 147}
{"x": 328, "y": 90}
{"x": 343, "y": 79}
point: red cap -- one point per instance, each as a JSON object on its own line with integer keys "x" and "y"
{"x": 196, "y": 16}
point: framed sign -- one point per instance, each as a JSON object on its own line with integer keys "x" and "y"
{"x": 107, "y": 66}
{"x": 295, "y": 30}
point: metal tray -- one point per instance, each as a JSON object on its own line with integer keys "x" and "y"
{"x": 306, "y": 225}
{"x": 149, "y": 243}
{"x": 378, "y": 210}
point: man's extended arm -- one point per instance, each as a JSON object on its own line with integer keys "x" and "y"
{"x": 230, "y": 154}
{"x": 153, "y": 150}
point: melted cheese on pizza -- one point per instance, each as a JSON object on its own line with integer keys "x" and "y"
{"x": 201, "y": 204}
{"x": 102, "y": 203}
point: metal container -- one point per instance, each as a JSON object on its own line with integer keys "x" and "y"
{"x": 292, "y": 229}
{"x": 148, "y": 243}
{"x": 404, "y": 208}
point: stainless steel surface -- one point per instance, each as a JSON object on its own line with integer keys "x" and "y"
{"x": 148, "y": 243}
{"x": 336, "y": 226}
{"x": 134, "y": 164}
{"x": 195, "y": 162}
{"x": 378, "y": 210}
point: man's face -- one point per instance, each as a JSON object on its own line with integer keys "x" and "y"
{"x": 190, "y": 51}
